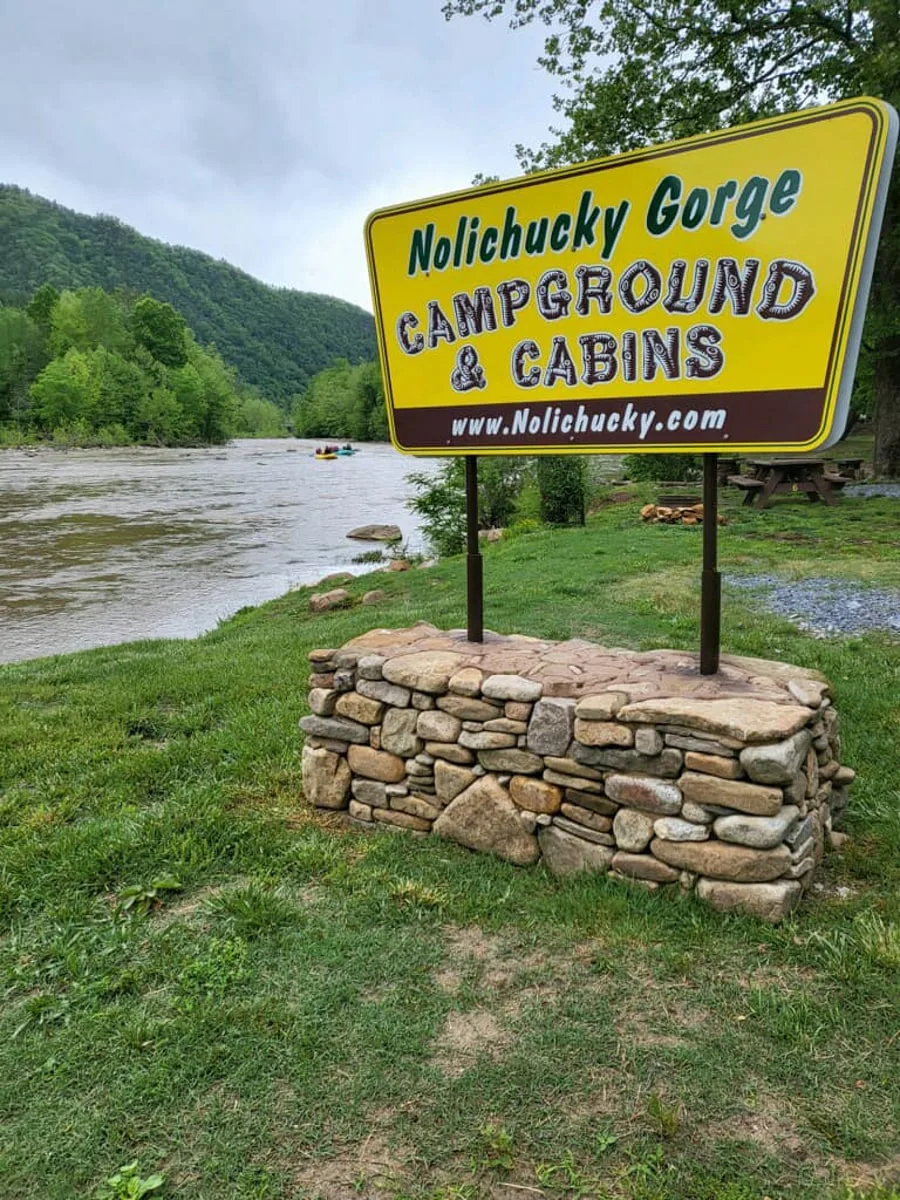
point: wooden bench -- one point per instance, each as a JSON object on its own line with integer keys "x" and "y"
{"x": 748, "y": 485}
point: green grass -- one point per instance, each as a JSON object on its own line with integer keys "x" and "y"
{"x": 321, "y": 1013}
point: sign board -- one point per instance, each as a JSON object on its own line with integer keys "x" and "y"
{"x": 706, "y": 295}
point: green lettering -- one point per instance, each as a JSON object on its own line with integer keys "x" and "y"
{"x": 785, "y": 192}
{"x": 661, "y": 216}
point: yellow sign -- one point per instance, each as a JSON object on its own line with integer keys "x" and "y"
{"x": 703, "y": 295}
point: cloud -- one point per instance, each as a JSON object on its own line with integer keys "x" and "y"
{"x": 261, "y": 133}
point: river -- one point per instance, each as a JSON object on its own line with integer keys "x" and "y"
{"x": 106, "y": 546}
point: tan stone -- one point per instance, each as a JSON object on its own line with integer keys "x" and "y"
{"x": 808, "y": 691}
{"x": 321, "y": 656}
{"x": 583, "y": 831}
{"x": 746, "y": 720}
{"x": 466, "y": 682}
{"x": 728, "y": 793}
{"x": 603, "y": 733}
{"x": 322, "y": 701}
{"x": 375, "y": 737}
{"x": 633, "y": 830}
{"x": 359, "y": 708}
{"x": 602, "y": 707}
{"x": 398, "y": 732}
{"x": 505, "y": 725}
{"x": 376, "y": 764}
{"x": 598, "y": 804}
{"x": 513, "y": 761}
{"x": 450, "y": 752}
{"x": 326, "y": 778}
{"x": 468, "y": 709}
{"x": 437, "y": 726}
{"x": 770, "y": 901}
{"x": 568, "y": 766}
{"x": 712, "y": 764}
{"x": 486, "y": 741}
{"x": 721, "y": 860}
{"x": 360, "y": 812}
{"x": 323, "y": 601}
{"x": 584, "y": 785}
{"x": 584, "y": 816}
{"x": 388, "y": 816}
{"x": 511, "y": 687}
{"x": 484, "y": 818}
{"x": 643, "y": 866}
{"x": 416, "y": 806}
{"x": 534, "y": 794}
{"x": 516, "y": 710}
{"x": 320, "y": 681}
{"x": 425, "y": 672}
{"x": 450, "y": 780}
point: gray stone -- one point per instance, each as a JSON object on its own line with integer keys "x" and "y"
{"x": 395, "y": 789}
{"x": 414, "y": 767}
{"x": 770, "y": 901}
{"x": 436, "y": 726}
{"x": 511, "y": 687}
{"x": 473, "y": 726}
{"x": 398, "y": 732}
{"x": 346, "y": 660}
{"x": 484, "y": 818}
{"x": 326, "y": 744}
{"x": 469, "y": 709}
{"x": 370, "y": 792}
{"x": 551, "y": 726}
{"x": 486, "y": 741}
{"x": 721, "y": 860}
{"x": 344, "y": 680}
{"x": 376, "y": 533}
{"x": 644, "y": 792}
{"x": 699, "y": 745}
{"x": 450, "y": 780}
{"x": 335, "y": 727}
{"x": 369, "y": 667}
{"x": 648, "y": 741}
{"x": 597, "y": 804}
{"x": 388, "y": 693}
{"x": 673, "y": 829}
{"x": 799, "y": 869}
{"x": 777, "y": 762}
{"x": 795, "y": 792}
{"x": 416, "y": 806}
{"x": 632, "y": 830}
{"x": 696, "y": 813}
{"x": 666, "y": 765}
{"x": 582, "y": 831}
{"x": 422, "y": 702}
{"x": 586, "y": 816}
{"x": 761, "y": 833}
{"x": 326, "y": 778}
{"x": 516, "y": 762}
{"x": 568, "y": 855}
{"x": 643, "y": 866}
{"x": 427, "y": 760}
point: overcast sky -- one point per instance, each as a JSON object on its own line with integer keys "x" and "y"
{"x": 261, "y": 131}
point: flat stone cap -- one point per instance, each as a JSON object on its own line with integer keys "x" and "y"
{"x": 578, "y": 668}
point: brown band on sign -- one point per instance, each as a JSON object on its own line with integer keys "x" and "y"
{"x": 740, "y": 419}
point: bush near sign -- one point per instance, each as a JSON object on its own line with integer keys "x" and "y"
{"x": 696, "y": 296}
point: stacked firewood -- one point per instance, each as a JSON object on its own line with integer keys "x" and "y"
{"x": 661, "y": 514}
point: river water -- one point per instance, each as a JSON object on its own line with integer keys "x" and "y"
{"x": 106, "y": 546}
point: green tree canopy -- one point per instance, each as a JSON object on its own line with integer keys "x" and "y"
{"x": 161, "y": 330}
{"x": 634, "y": 72}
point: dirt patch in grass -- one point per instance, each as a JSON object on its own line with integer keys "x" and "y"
{"x": 354, "y": 1173}
{"x": 864, "y": 1177}
{"x": 466, "y": 1037}
{"x": 770, "y": 1125}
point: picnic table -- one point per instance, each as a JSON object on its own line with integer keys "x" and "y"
{"x": 770, "y": 476}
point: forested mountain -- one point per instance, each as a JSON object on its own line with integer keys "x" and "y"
{"x": 276, "y": 338}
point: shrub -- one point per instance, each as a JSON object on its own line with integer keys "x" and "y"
{"x": 659, "y": 467}
{"x": 562, "y": 482}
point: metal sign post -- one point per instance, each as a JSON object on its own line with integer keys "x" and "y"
{"x": 711, "y": 580}
{"x": 474, "y": 562}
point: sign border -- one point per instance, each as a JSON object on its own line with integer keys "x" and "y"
{"x": 847, "y": 332}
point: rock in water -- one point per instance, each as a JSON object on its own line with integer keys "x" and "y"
{"x": 484, "y": 818}
{"x": 376, "y": 533}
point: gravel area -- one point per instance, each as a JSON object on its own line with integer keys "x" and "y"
{"x": 873, "y": 489}
{"x": 826, "y": 607}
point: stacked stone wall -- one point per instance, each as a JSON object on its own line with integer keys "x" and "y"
{"x": 730, "y": 788}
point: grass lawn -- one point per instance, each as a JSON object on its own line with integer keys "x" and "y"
{"x": 322, "y": 1013}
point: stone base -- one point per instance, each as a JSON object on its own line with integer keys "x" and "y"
{"x": 588, "y": 758}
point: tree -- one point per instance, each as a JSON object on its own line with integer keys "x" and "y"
{"x": 41, "y": 306}
{"x": 643, "y": 71}
{"x": 21, "y": 358}
{"x": 562, "y": 483}
{"x": 161, "y": 330}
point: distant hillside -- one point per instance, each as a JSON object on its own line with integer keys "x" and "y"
{"x": 275, "y": 337}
